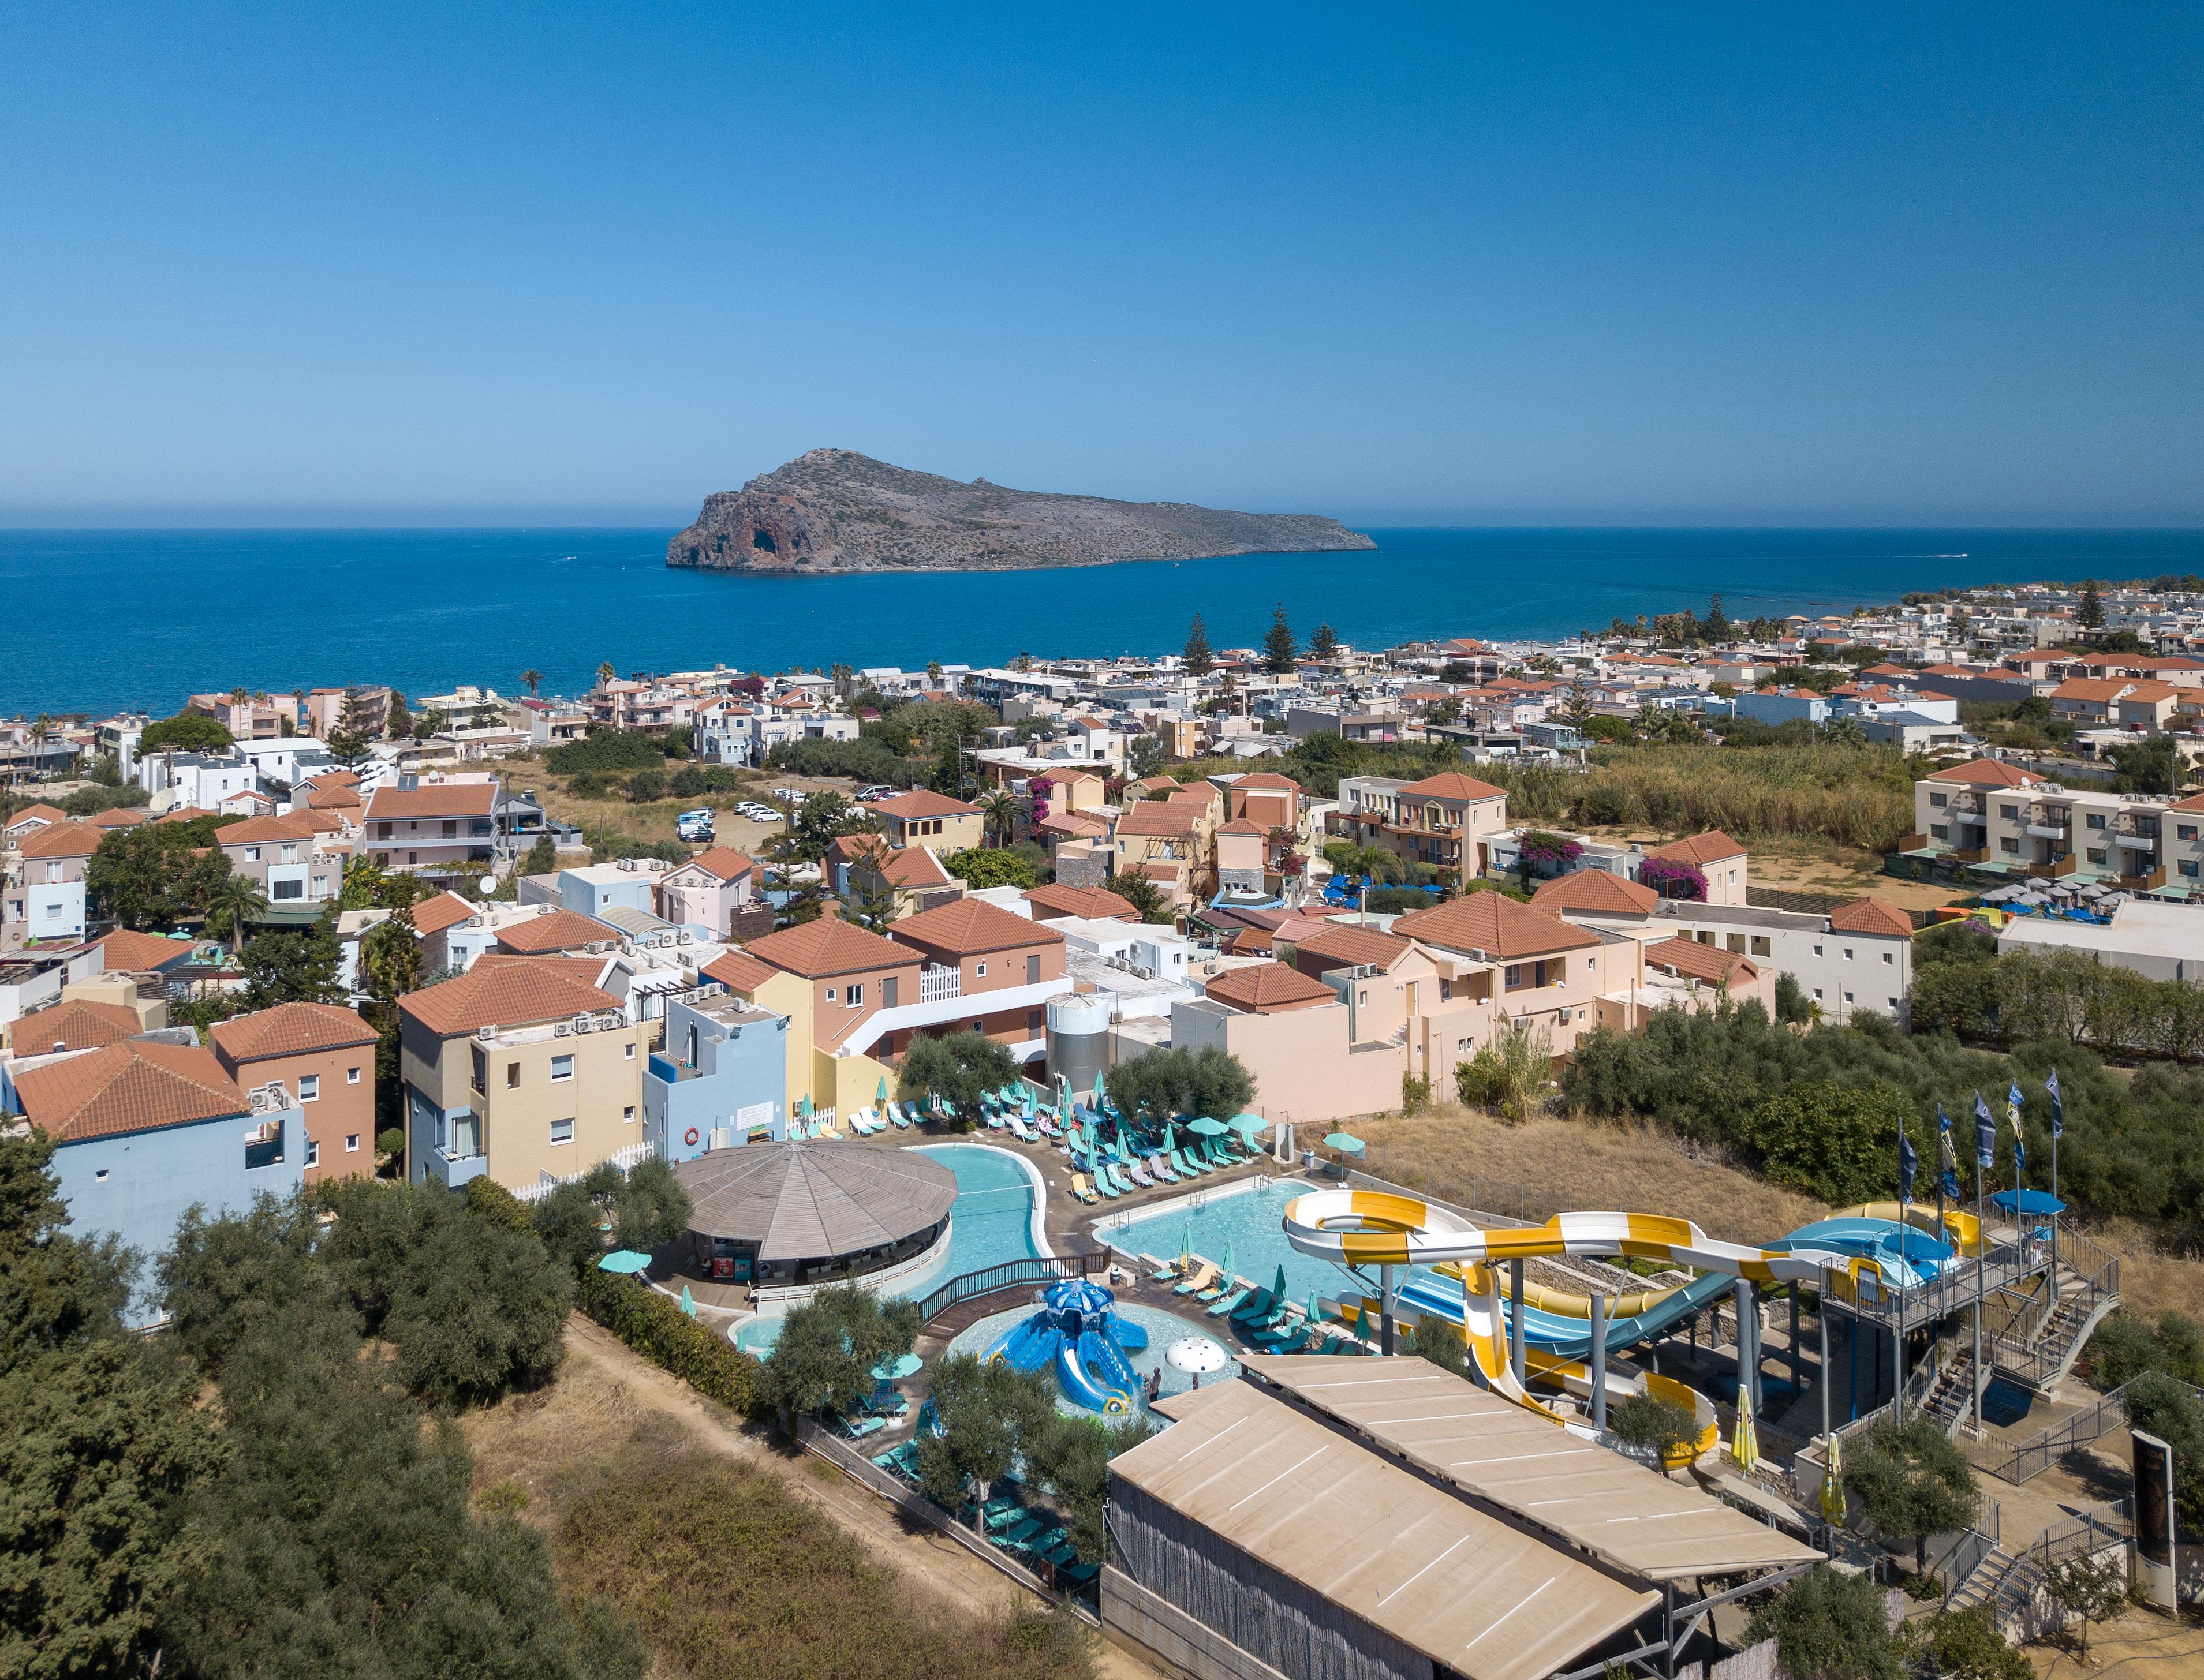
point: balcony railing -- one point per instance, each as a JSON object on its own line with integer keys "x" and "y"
{"x": 935, "y": 985}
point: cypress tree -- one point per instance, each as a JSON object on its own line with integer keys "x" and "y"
{"x": 1199, "y": 660}
{"x": 1278, "y": 654}
{"x": 1324, "y": 645}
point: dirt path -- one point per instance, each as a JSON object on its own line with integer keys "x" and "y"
{"x": 605, "y": 1394}
{"x": 2141, "y": 1644}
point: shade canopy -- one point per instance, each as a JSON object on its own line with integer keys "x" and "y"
{"x": 2028, "y": 1200}
{"x": 895, "y": 1369}
{"x": 801, "y": 1202}
{"x": 625, "y": 1261}
{"x": 1345, "y": 1142}
{"x": 1206, "y": 1126}
{"x": 1248, "y": 1124}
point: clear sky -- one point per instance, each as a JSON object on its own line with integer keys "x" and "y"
{"x": 1654, "y": 264}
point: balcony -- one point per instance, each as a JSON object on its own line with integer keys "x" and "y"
{"x": 935, "y": 985}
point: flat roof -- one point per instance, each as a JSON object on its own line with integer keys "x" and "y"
{"x": 1466, "y": 1588}
{"x": 1624, "y": 1513}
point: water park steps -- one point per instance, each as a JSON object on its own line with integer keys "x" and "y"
{"x": 1997, "y": 1579}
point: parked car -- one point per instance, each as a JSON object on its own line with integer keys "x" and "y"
{"x": 878, "y": 790}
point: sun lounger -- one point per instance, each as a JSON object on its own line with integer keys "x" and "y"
{"x": 1188, "y": 1167}
{"x": 1293, "y": 1343}
{"x": 858, "y": 1428}
{"x": 1230, "y": 1301}
{"x": 1139, "y": 1175}
{"x": 1120, "y": 1177}
{"x": 1169, "y": 1274}
{"x": 1080, "y": 1188}
{"x": 898, "y": 1118}
{"x": 1158, "y": 1170}
{"x": 1019, "y": 1130}
{"x": 1259, "y": 1306}
{"x": 1103, "y": 1182}
{"x": 1200, "y": 1278}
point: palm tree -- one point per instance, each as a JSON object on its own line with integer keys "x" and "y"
{"x": 1000, "y": 810}
{"x": 235, "y": 902}
{"x": 534, "y": 680}
{"x": 605, "y": 673}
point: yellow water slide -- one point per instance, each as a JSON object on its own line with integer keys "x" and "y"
{"x": 1963, "y": 1230}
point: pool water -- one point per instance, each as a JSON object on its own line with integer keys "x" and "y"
{"x": 1248, "y": 1224}
{"x": 991, "y": 1222}
{"x": 1163, "y": 1328}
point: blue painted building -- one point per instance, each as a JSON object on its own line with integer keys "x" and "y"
{"x": 629, "y": 883}
{"x": 146, "y": 1129}
{"x": 719, "y": 1081}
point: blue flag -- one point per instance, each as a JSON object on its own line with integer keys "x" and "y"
{"x": 2012, "y": 1107}
{"x": 2058, "y": 1105}
{"x": 1985, "y": 1134}
{"x": 1908, "y": 1165}
{"x": 1946, "y": 1155}
{"x": 2019, "y": 1164}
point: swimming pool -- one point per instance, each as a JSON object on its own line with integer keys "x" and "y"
{"x": 1163, "y": 1328}
{"x": 1246, "y": 1222}
{"x": 997, "y": 1216}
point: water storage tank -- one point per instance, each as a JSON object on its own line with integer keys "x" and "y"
{"x": 1079, "y": 1038}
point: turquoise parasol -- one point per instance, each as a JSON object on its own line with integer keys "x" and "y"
{"x": 1230, "y": 1270}
{"x": 1186, "y": 1245}
{"x": 1203, "y": 1126}
{"x": 1248, "y": 1125}
{"x": 688, "y": 1301}
{"x": 894, "y": 1370}
{"x": 1345, "y": 1142}
{"x": 625, "y": 1261}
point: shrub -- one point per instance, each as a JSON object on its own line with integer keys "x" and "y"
{"x": 657, "y": 1328}
{"x": 646, "y": 785}
{"x": 1832, "y": 1142}
{"x": 2124, "y": 1346}
{"x": 980, "y": 867}
{"x": 1656, "y": 1426}
{"x": 1912, "y": 1481}
{"x": 606, "y": 749}
{"x": 1829, "y": 1626}
{"x": 1966, "y": 1645}
{"x": 488, "y": 1199}
{"x": 959, "y": 1067}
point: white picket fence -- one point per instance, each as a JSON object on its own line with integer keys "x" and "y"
{"x": 621, "y": 1158}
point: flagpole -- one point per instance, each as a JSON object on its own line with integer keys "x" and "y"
{"x": 1976, "y": 1379}
{"x": 1904, "y": 1224}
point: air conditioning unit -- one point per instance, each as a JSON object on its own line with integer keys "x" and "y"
{"x": 582, "y": 1023}
{"x": 684, "y": 938}
{"x": 487, "y": 1034}
{"x": 546, "y": 909}
{"x": 562, "y": 1031}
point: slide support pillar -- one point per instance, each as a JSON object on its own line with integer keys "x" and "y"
{"x": 1598, "y": 1360}
{"x": 1748, "y": 1350}
{"x": 1385, "y": 1309}
{"x": 1798, "y": 1357}
{"x": 1517, "y": 1327}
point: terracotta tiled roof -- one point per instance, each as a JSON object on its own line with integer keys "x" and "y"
{"x": 1161, "y": 818}
{"x": 290, "y": 1029}
{"x": 1985, "y": 773}
{"x": 586, "y": 969}
{"x": 970, "y": 927}
{"x": 132, "y": 1086}
{"x": 1261, "y": 987}
{"x": 1268, "y": 778}
{"x": 1871, "y": 915}
{"x": 722, "y": 863}
{"x": 504, "y": 993}
{"x": 1699, "y": 849}
{"x": 434, "y": 799}
{"x": 1244, "y": 826}
{"x": 76, "y": 1023}
{"x": 1345, "y": 942}
{"x": 1691, "y": 961}
{"x": 60, "y": 840}
{"x": 1148, "y": 785}
{"x": 31, "y": 816}
{"x": 323, "y": 798}
{"x": 560, "y": 931}
{"x": 446, "y": 909}
{"x": 1071, "y": 824}
{"x": 116, "y": 816}
{"x": 185, "y": 814}
{"x": 1452, "y": 784}
{"x": 1596, "y": 892}
{"x": 829, "y": 946}
{"x": 2194, "y": 802}
{"x": 1500, "y": 926}
{"x": 124, "y": 951}
{"x": 739, "y": 971}
{"x": 1164, "y": 874}
{"x": 1094, "y": 903}
{"x": 266, "y": 830}
{"x": 911, "y": 866}
{"x": 922, "y": 802}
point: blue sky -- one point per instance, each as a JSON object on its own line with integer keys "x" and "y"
{"x": 1661, "y": 265}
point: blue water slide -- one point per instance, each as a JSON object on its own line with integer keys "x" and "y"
{"x": 1095, "y": 1376}
{"x": 1027, "y": 1345}
{"x": 1127, "y": 1335}
{"x": 1907, "y": 1255}
{"x": 1567, "y": 1338}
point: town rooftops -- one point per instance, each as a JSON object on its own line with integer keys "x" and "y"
{"x": 116, "y": 816}
{"x": 1265, "y": 778}
{"x": 127, "y": 952}
{"x": 1244, "y": 828}
{"x": 136, "y": 1085}
{"x": 63, "y": 839}
{"x": 1690, "y": 960}
{"x": 432, "y": 798}
{"x": 1341, "y": 941}
{"x": 722, "y": 863}
{"x": 264, "y": 830}
{"x": 1087, "y": 903}
{"x": 75, "y": 1023}
{"x": 970, "y": 927}
{"x": 560, "y": 931}
{"x": 1871, "y": 915}
{"x": 1160, "y": 819}
{"x": 1452, "y": 784}
{"x": 290, "y": 1029}
{"x": 35, "y": 816}
{"x": 1260, "y": 988}
{"x": 1985, "y": 773}
{"x": 1495, "y": 925}
{"x": 446, "y": 909}
{"x": 1595, "y": 892}
{"x": 1699, "y": 849}
{"x": 739, "y": 971}
{"x": 829, "y": 946}
{"x": 923, "y": 802}
{"x": 513, "y": 993}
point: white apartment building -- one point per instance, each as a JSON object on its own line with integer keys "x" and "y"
{"x": 2003, "y": 819}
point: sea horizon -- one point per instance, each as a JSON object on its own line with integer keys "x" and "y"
{"x": 424, "y": 608}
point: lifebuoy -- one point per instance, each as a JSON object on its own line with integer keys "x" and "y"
{"x": 690, "y": 1137}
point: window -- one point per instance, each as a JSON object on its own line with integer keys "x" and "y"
{"x": 562, "y": 1131}
{"x": 352, "y": 1143}
{"x": 290, "y": 853}
{"x": 2010, "y": 812}
{"x": 1848, "y": 953}
{"x": 313, "y": 1153}
{"x": 513, "y": 1076}
{"x": 1817, "y": 994}
{"x": 1512, "y": 974}
{"x": 854, "y": 995}
{"x": 287, "y": 889}
{"x": 1848, "y": 997}
{"x": 252, "y": 853}
{"x": 2187, "y": 867}
{"x": 351, "y": 1076}
{"x": 2184, "y": 831}
{"x": 1760, "y": 945}
{"x": 630, "y": 1049}
{"x": 627, "y": 1115}
{"x": 2009, "y": 846}
{"x": 2096, "y": 853}
{"x": 310, "y": 1087}
{"x": 979, "y": 1026}
{"x": 562, "y": 1068}
{"x": 481, "y": 1068}
{"x": 1894, "y": 1005}
{"x": 100, "y": 1177}
{"x": 830, "y": 994}
{"x": 1937, "y": 799}
{"x": 980, "y": 972}
{"x": 1818, "y": 950}
{"x": 1888, "y": 958}
{"x": 1939, "y": 831}
{"x": 2096, "y": 819}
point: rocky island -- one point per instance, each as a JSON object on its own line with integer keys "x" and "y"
{"x": 834, "y": 510}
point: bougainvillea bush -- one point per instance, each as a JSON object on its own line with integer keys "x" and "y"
{"x": 1672, "y": 879}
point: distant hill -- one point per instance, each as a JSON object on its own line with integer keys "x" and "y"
{"x": 834, "y": 510}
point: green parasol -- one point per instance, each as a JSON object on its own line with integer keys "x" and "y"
{"x": 1345, "y": 1142}
{"x": 688, "y": 1301}
{"x": 1186, "y": 1245}
{"x": 1207, "y": 1127}
{"x": 625, "y": 1261}
{"x": 1231, "y": 1271}
{"x": 1248, "y": 1125}
{"x": 883, "y": 1096}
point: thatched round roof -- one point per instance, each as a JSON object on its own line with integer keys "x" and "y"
{"x": 813, "y": 1201}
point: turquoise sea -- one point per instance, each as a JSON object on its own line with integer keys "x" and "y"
{"x": 98, "y": 620}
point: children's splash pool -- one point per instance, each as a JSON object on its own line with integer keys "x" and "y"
{"x": 1163, "y": 1328}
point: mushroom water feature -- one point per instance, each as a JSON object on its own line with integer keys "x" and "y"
{"x": 1078, "y": 1330}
